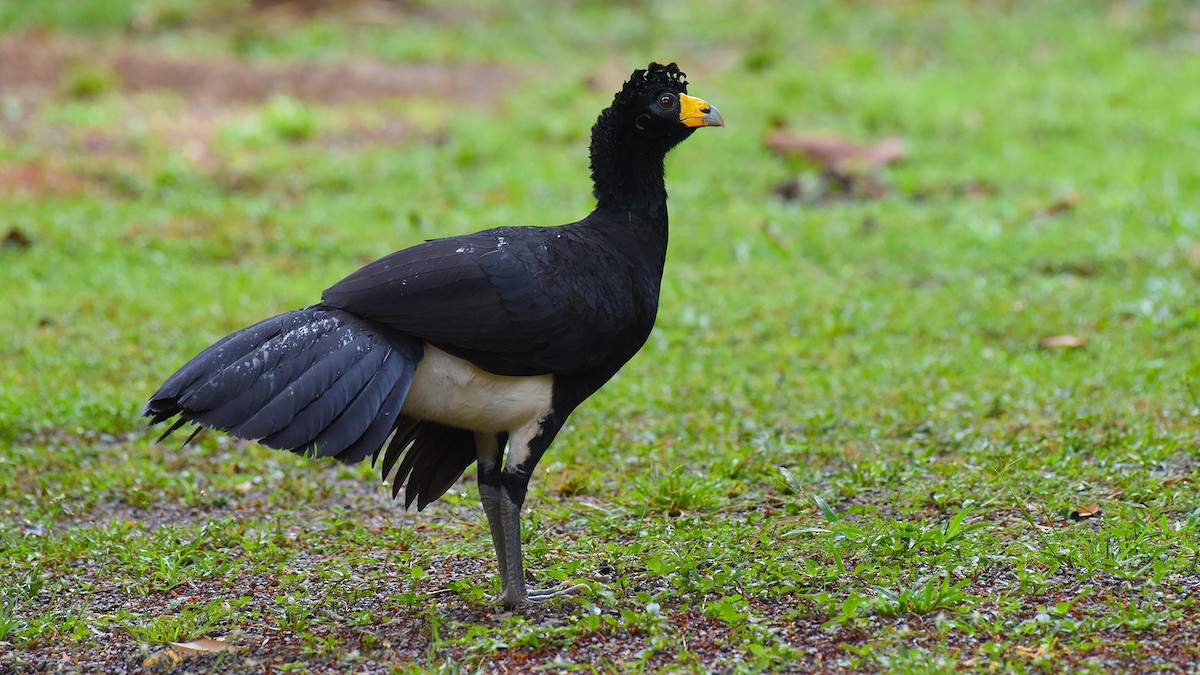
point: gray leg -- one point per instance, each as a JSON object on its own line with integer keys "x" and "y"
{"x": 515, "y": 592}
{"x": 502, "y": 493}
{"x": 513, "y": 575}
{"x": 490, "y": 496}
{"x": 488, "y": 448}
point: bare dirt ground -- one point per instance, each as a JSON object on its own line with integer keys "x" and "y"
{"x": 33, "y": 67}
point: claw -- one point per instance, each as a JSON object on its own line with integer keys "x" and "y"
{"x": 536, "y": 596}
{"x": 564, "y": 589}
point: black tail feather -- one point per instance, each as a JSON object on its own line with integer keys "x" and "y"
{"x": 171, "y": 429}
{"x": 406, "y": 430}
{"x": 376, "y": 434}
{"x": 322, "y": 383}
{"x": 313, "y": 381}
{"x": 292, "y": 373}
{"x": 192, "y": 436}
{"x": 229, "y": 349}
{"x": 441, "y": 475}
{"x": 319, "y": 413}
{"x": 370, "y": 417}
{"x": 435, "y": 456}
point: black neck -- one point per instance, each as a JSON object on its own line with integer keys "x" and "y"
{"x": 627, "y": 173}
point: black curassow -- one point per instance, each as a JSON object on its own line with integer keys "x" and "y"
{"x": 462, "y": 347}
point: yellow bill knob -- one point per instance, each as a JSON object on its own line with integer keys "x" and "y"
{"x": 696, "y": 112}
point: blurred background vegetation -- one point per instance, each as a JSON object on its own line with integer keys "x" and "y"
{"x": 941, "y": 262}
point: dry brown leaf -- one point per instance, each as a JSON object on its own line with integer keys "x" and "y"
{"x": 1031, "y": 653}
{"x": 1194, "y": 255}
{"x": 202, "y": 646}
{"x": 968, "y": 188}
{"x": 1060, "y": 205}
{"x": 1176, "y": 479}
{"x": 1062, "y": 342}
{"x": 162, "y": 659}
{"x": 792, "y": 189}
{"x": 836, "y": 154}
{"x": 1083, "y": 512}
{"x": 16, "y": 238}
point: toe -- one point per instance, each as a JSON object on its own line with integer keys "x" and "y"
{"x": 564, "y": 589}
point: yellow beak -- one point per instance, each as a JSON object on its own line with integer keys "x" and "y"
{"x": 695, "y": 112}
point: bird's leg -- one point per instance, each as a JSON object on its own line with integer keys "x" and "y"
{"x": 488, "y": 449}
{"x": 515, "y": 591}
{"x": 502, "y": 492}
{"x": 504, "y": 520}
{"x": 490, "y": 496}
{"x": 512, "y": 567}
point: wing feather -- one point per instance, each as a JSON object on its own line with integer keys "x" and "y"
{"x": 507, "y": 299}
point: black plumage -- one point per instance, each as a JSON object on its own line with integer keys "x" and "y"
{"x": 458, "y": 348}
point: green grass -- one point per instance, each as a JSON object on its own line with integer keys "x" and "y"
{"x": 842, "y": 447}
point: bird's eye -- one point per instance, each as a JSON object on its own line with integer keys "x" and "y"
{"x": 666, "y": 102}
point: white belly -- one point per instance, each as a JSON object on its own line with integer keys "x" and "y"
{"x": 455, "y": 392}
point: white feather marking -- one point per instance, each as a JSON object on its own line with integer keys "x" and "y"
{"x": 518, "y": 443}
{"x": 455, "y": 392}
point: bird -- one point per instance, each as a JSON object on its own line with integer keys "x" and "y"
{"x": 466, "y": 349}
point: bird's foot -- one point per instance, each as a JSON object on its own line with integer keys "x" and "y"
{"x": 564, "y": 589}
{"x": 535, "y": 596}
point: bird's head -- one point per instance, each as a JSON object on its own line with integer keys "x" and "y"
{"x": 650, "y": 115}
{"x": 654, "y": 104}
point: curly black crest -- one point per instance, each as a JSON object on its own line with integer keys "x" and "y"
{"x": 653, "y": 79}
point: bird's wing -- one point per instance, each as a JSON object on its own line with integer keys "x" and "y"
{"x": 514, "y": 301}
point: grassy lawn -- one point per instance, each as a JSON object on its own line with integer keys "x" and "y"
{"x": 851, "y": 443}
